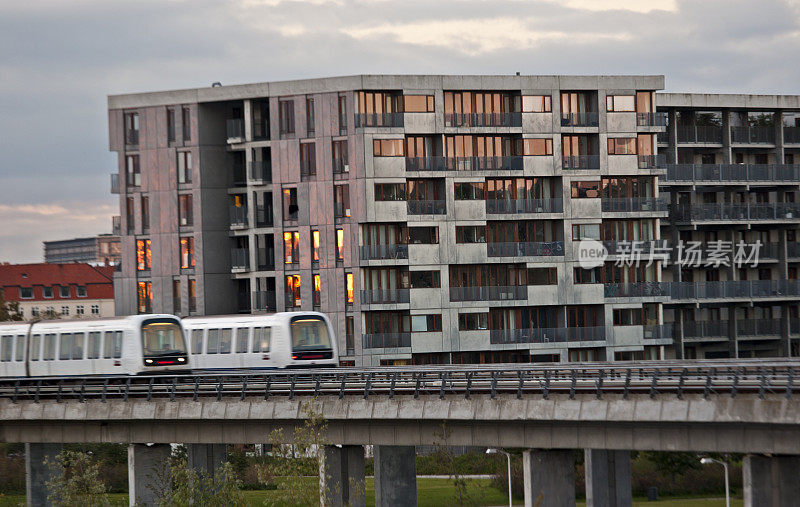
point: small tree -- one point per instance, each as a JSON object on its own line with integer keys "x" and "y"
{"x": 76, "y": 480}
{"x": 464, "y": 494}
{"x": 176, "y": 484}
{"x": 9, "y": 310}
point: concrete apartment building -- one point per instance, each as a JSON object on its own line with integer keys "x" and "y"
{"x": 101, "y": 250}
{"x": 436, "y": 219}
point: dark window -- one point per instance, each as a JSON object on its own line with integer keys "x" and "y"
{"x": 286, "y": 115}
{"x": 423, "y": 235}
{"x": 341, "y": 201}
{"x": 339, "y": 154}
{"x": 145, "y": 213}
{"x": 390, "y": 192}
{"x": 133, "y": 171}
{"x": 342, "y": 113}
{"x": 594, "y": 275}
{"x": 170, "y": 125}
{"x": 473, "y": 321}
{"x": 310, "y": 120}
{"x": 469, "y": 191}
{"x": 542, "y": 276}
{"x": 425, "y": 279}
{"x": 308, "y": 160}
{"x": 470, "y": 234}
{"x": 426, "y": 323}
{"x": 185, "y": 209}
{"x": 187, "y": 123}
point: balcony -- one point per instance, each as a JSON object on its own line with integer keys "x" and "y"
{"x": 416, "y": 207}
{"x": 261, "y": 171}
{"x": 652, "y": 161}
{"x": 732, "y": 173}
{"x": 635, "y": 290}
{"x": 633, "y": 204}
{"x": 777, "y": 211}
{"x": 264, "y": 216}
{"x": 265, "y": 259}
{"x": 239, "y": 175}
{"x": 385, "y": 296}
{"x": 578, "y": 162}
{"x": 383, "y": 252}
{"x": 386, "y": 340}
{"x": 791, "y": 135}
{"x": 663, "y": 137}
{"x": 514, "y": 206}
{"x": 243, "y": 302}
{"x": 240, "y": 258}
{"x": 505, "y": 163}
{"x": 483, "y": 119}
{"x": 235, "y": 128}
{"x": 659, "y": 247}
{"x": 721, "y": 329}
{"x": 753, "y": 135}
{"x": 525, "y": 249}
{"x": 547, "y": 335}
{"x": 651, "y": 119}
{"x": 115, "y": 183}
{"x": 734, "y": 289}
{"x": 706, "y": 329}
{"x": 264, "y": 300}
{"x": 758, "y": 327}
{"x": 584, "y": 119}
{"x": 379, "y": 120}
{"x": 116, "y": 225}
{"x": 238, "y": 216}
{"x": 132, "y": 137}
{"x": 699, "y": 134}
{"x": 489, "y": 293}
{"x": 658, "y": 331}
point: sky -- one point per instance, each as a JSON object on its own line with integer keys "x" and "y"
{"x": 59, "y": 59}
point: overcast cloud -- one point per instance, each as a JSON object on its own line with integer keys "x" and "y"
{"x": 60, "y": 58}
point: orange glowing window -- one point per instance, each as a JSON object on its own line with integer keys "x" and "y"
{"x": 187, "y": 253}
{"x": 315, "y": 246}
{"x": 340, "y": 244}
{"x": 348, "y": 283}
{"x": 142, "y": 254}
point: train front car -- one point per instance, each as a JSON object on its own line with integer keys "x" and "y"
{"x": 163, "y": 345}
{"x": 312, "y": 341}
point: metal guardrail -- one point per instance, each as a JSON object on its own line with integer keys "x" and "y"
{"x": 379, "y": 119}
{"x": 525, "y": 249}
{"x": 735, "y": 212}
{"x": 418, "y": 207}
{"x": 511, "y": 206}
{"x": 717, "y": 173}
{"x": 383, "y": 252}
{"x": 708, "y": 378}
{"x": 386, "y": 340}
{"x": 547, "y": 335}
{"x": 240, "y": 258}
{"x": 651, "y": 119}
{"x": 699, "y": 134}
{"x": 385, "y": 296}
{"x": 791, "y": 135}
{"x": 753, "y": 135}
{"x": 489, "y": 293}
{"x": 577, "y": 162}
{"x": 238, "y": 216}
{"x": 438, "y": 163}
{"x": 582, "y": 119}
{"x": 634, "y": 204}
{"x": 235, "y": 129}
{"x": 483, "y": 119}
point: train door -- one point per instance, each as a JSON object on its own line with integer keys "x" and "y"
{"x": 261, "y": 354}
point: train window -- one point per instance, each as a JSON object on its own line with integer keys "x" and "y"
{"x": 117, "y": 344}
{"x": 93, "y": 348}
{"x": 225, "y": 341}
{"x": 309, "y": 333}
{"x": 162, "y": 337}
{"x": 65, "y": 346}
{"x": 78, "y": 341}
{"x": 241, "y": 340}
{"x": 197, "y": 341}
{"x": 36, "y": 341}
{"x": 19, "y": 354}
{"x": 212, "y": 347}
{"x": 261, "y": 339}
{"x": 112, "y": 344}
{"x": 49, "y": 347}
{"x": 6, "y": 346}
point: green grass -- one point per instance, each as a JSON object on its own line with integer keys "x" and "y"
{"x": 430, "y": 493}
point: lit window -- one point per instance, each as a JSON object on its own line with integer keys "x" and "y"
{"x": 622, "y": 146}
{"x": 143, "y": 254}
{"x": 348, "y": 283}
{"x": 187, "y": 253}
{"x": 144, "y": 298}
{"x": 291, "y": 247}
{"x": 293, "y": 291}
{"x": 315, "y": 246}
{"x": 317, "y": 290}
{"x": 340, "y": 245}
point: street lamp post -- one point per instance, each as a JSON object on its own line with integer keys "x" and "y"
{"x": 708, "y": 461}
{"x": 508, "y": 458}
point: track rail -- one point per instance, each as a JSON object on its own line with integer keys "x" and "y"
{"x": 661, "y": 378}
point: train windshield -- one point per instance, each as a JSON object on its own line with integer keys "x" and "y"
{"x": 310, "y": 333}
{"x": 162, "y": 337}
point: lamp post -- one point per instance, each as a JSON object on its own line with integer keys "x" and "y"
{"x": 708, "y": 461}
{"x": 508, "y": 458}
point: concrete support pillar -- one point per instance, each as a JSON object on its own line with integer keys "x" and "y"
{"x": 678, "y": 333}
{"x": 672, "y": 133}
{"x": 549, "y": 477}
{"x": 341, "y": 476}
{"x": 145, "y": 464}
{"x": 37, "y": 473}
{"x": 778, "y": 124}
{"x": 733, "y": 332}
{"x": 785, "y": 349}
{"x": 771, "y": 481}
{"x": 608, "y": 478}
{"x": 727, "y": 152}
{"x": 395, "y": 476}
{"x": 206, "y": 458}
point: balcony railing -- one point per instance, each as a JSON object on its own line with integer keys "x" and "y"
{"x": 240, "y": 258}
{"x": 235, "y": 127}
{"x": 238, "y": 216}
{"x": 768, "y": 173}
{"x": 385, "y": 296}
{"x": 489, "y": 293}
{"x": 132, "y": 137}
{"x": 264, "y": 300}
{"x": 115, "y": 183}
{"x": 635, "y": 290}
{"x": 416, "y": 207}
{"x": 651, "y": 161}
{"x": 651, "y": 119}
{"x": 547, "y": 335}
{"x": 264, "y": 216}
{"x": 734, "y": 289}
{"x": 505, "y": 163}
{"x": 699, "y": 134}
{"x": 483, "y": 119}
{"x": 116, "y": 225}
{"x": 261, "y": 170}
{"x": 243, "y": 302}
{"x": 753, "y": 135}
{"x": 584, "y": 119}
{"x": 791, "y": 135}
{"x": 630, "y": 247}
{"x": 758, "y": 327}
{"x": 266, "y": 259}
{"x": 239, "y": 175}
{"x": 379, "y": 120}
{"x": 633, "y": 204}
{"x": 511, "y": 206}
{"x": 658, "y": 331}
{"x": 703, "y": 329}
{"x": 525, "y": 249}
{"x": 386, "y": 340}
{"x": 735, "y": 212}
{"x": 383, "y": 252}
{"x": 663, "y": 137}
{"x": 581, "y": 162}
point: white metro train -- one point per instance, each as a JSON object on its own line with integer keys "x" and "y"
{"x": 135, "y": 345}
{"x": 279, "y": 340}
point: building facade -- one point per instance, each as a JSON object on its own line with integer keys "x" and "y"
{"x": 101, "y": 250}
{"x": 59, "y": 290}
{"x": 436, "y": 219}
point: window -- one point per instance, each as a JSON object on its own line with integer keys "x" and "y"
{"x": 184, "y": 167}
{"x": 426, "y": 323}
{"x": 582, "y": 276}
{"x": 95, "y": 309}
{"x": 63, "y": 291}
{"x": 176, "y": 296}
{"x": 35, "y": 311}
{"x": 339, "y": 245}
{"x": 170, "y": 125}
{"x": 537, "y": 104}
{"x": 342, "y": 113}
{"x": 585, "y": 231}
{"x": 47, "y": 292}
{"x": 308, "y": 160}
{"x": 129, "y": 210}
{"x": 340, "y": 157}
{"x": 542, "y": 276}
{"x": 473, "y": 321}
{"x": 315, "y": 247}
{"x": 49, "y": 352}
{"x": 290, "y": 208}
{"x": 628, "y": 316}
{"x": 145, "y": 297}
{"x": 293, "y": 291}
{"x": 132, "y": 128}
{"x": 286, "y": 116}
{"x": 310, "y": 120}
{"x": 65, "y": 345}
{"x": 537, "y": 147}
{"x": 585, "y": 189}
{"x": 145, "y": 213}
{"x": 93, "y": 345}
{"x": 617, "y": 103}
{"x": 418, "y": 103}
{"x": 317, "y": 291}
{"x": 291, "y": 247}
{"x": 19, "y": 352}
{"x": 622, "y": 146}
{"x": 36, "y": 341}
{"x": 469, "y": 191}
{"x": 143, "y": 255}
{"x": 80, "y": 291}
{"x": 79, "y": 310}
{"x": 584, "y": 316}
{"x": 349, "y": 334}
{"x": 261, "y": 339}
{"x": 424, "y": 279}
{"x": 26, "y": 292}
{"x": 241, "y": 335}
{"x": 112, "y": 344}
{"x": 423, "y": 235}
{"x": 185, "y": 209}
{"x": 390, "y": 192}
{"x": 341, "y": 201}
{"x": 187, "y": 123}
{"x": 644, "y": 102}
{"x": 388, "y": 148}
{"x": 470, "y": 234}
{"x": 192, "y": 296}
{"x": 6, "y": 347}
{"x": 65, "y": 311}
{"x": 187, "y": 252}
{"x": 132, "y": 171}
{"x": 348, "y": 288}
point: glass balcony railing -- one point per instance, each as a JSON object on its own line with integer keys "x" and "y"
{"x": 651, "y": 119}
{"x": 385, "y": 296}
{"x": 383, "y": 252}
{"x": 483, "y": 119}
{"x": 261, "y": 170}
{"x": 386, "y": 340}
{"x": 235, "y": 129}
{"x": 264, "y": 301}
{"x": 514, "y": 206}
{"x": 379, "y": 120}
{"x": 719, "y": 173}
{"x": 547, "y": 335}
{"x": 525, "y": 249}
{"x": 699, "y": 134}
{"x": 489, "y": 293}
{"x": 578, "y": 162}
{"x": 581, "y": 119}
{"x": 634, "y": 204}
{"x": 753, "y": 135}
{"x": 417, "y": 207}
{"x": 504, "y": 163}
{"x": 240, "y": 258}
{"x": 723, "y": 212}
{"x": 238, "y": 216}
